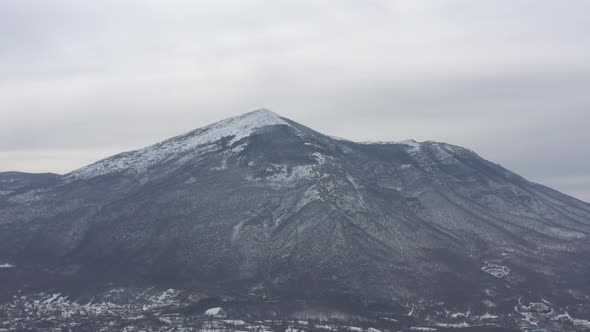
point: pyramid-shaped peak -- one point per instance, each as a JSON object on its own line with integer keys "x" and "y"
{"x": 243, "y": 125}
{"x": 236, "y": 128}
{"x": 263, "y": 115}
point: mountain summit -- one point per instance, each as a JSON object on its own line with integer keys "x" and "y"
{"x": 259, "y": 199}
{"x": 234, "y": 129}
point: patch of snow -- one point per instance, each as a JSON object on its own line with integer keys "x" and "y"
{"x": 165, "y": 320}
{"x": 167, "y": 294}
{"x": 498, "y": 271}
{"x": 282, "y": 177}
{"x": 414, "y": 145}
{"x": 6, "y": 266}
{"x": 313, "y": 145}
{"x": 487, "y": 315}
{"x": 352, "y": 180}
{"x": 566, "y": 234}
{"x": 410, "y": 142}
{"x": 234, "y": 322}
{"x": 453, "y": 325}
{"x": 312, "y": 194}
{"x": 320, "y": 158}
{"x": 216, "y": 312}
{"x": 236, "y": 230}
{"x": 577, "y": 322}
{"x": 327, "y": 327}
{"x": 292, "y": 329}
{"x": 528, "y": 312}
{"x": 461, "y": 314}
{"x": 239, "y": 148}
{"x": 52, "y": 298}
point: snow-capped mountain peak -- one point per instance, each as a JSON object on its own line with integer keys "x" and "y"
{"x": 237, "y": 128}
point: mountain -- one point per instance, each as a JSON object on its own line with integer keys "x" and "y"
{"x": 13, "y": 181}
{"x": 260, "y": 201}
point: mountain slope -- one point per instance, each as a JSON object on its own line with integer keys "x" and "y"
{"x": 261, "y": 199}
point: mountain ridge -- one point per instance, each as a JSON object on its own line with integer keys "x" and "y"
{"x": 246, "y": 124}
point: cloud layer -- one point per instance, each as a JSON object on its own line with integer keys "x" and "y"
{"x": 507, "y": 78}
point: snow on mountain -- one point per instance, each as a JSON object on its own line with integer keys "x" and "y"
{"x": 259, "y": 198}
{"x": 414, "y": 145}
{"x": 237, "y": 128}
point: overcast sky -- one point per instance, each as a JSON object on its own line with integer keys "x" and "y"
{"x": 510, "y": 79}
